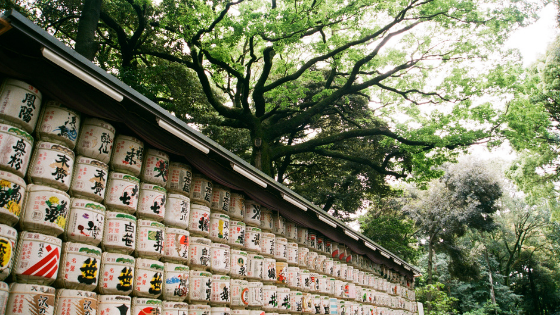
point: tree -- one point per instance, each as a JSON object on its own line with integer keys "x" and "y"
{"x": 316, "y": 80}
{"x": 464, "y": 198}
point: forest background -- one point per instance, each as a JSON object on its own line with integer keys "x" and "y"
{"x": 366, "y": 107}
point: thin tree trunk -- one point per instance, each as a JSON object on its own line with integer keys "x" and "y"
{"x": 490, "y": 279}
{"x": 430, "y": 266}
{"x": 85, "y": 39}
{"x": 534, "y": 290}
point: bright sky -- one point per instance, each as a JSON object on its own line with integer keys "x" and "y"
{"x": 533, "y": 40}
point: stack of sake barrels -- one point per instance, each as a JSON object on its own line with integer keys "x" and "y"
{"x": 97, "y": 222}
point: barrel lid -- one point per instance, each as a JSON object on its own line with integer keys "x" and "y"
{"x": 11, "y": 178}
{"x": 220, "y": 277}
{"x": 171, "y": 230}
{"x": 144, "y": 223}
{"x": 79, "y": 248}
{"x": 17, "y": 132}
{"x": 281, "y": 239}
{"x": 4, "y": 286}
{"x": 153, "y": 187}
{"x": 21, "y": 84}
{"x": 200, "y": 240}
{"x": 87, "y": 160}
{"x": 220, "y": 245}
{"x": 29, "y": 288}
{"x": 240, "y": 223}
{"x": 255, "y": 256}
{"x": 199, "y": 307}
{"x": 67, "y": 293}
{"x": 240, "y": 282}
{"x": 253, "y": 229}
{"x": 152, "y": 151}
{"x": 120, "y": 215}
{"x": 147, "y": 301}
{"x": 86, "y": 204}
{"x": 197, "y": 204}
{"x": 98, "y": 123}
{"x": 54, "y": 146}
{"x": 8, "y": 231}
{"x": 219, "y": 215}
{"x": 268, "y": 235}
{"x": 220, "y": 309}
{"x": 238, "y": 252}
{"x": 149, "y": 263}
{"x": 123, "y": 176}
{"x": 200, "y": 273}
{"x": 178, "y": 196}
{"x": 175, "y": 305}
{"x": 283, "y": 290}
{"x": 270, "y": 287}
{"x": 36, "y": 187}
{"x": 121, "y": 137}
{"x": 109, "y": 298}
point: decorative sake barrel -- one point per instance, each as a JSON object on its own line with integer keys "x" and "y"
{"x": 8, "y": 237}
{"x": 79, "y": 267}
{"x": 268, "y": 244}
{"x": 267, "y": 223}
{"x": 114, "y": 304}
{"x": 219, "y": 227}
{"x": 220, "y": 199}
{"x": 71, "y": 302}
{"x": 176, "y": 282}
{"x": 199, "y": 253}
{"x": 269, "y": 270}
{"x": 30, "y": 299}
{"x": 149, "y": 278}
{"x": 127, "y": 155}
{"x": 20, "y": 104}
{"x": 236, "y": 234}
{"x": 200, "y": 286}
{"x": 199, "y": 309}
{"x": 12, "y": 188}
{"x": 307, "y": 303}
{"x": 201, "y": 189}
{"x": 177, "y": 210}
{"x": 122, "y": 192}
{"x": 221, "y": 288}
{"x": 291, "y": 231}
{"x": 281, "y": 273}
{"x": 293, "y": 250}
{"x": 151, "y": 203}
{"x": 255, "y": 294}
{"x": 175, "y": 308}
{"x": 119, "y": 235}
{"x": 252, "y": 239}
{"x": 96, "y": 139}
{"x": 199, "y": 219}
{"x": 239, "y": 292}
{"x": 51, "y": 165}
{"x": 238, "y": 263}
{"x": 150, "y": 237}
{"x": 283, "y": 297}
{"x": 237, "y": 206}
{"x": 155, "y": 169}
{"x": 281, "y": 249}
{"x": 180, "y": 178}
{"x": 86, "y": 220}
{"x": 45, "y": 210}
{"x": 296, "y": 302}
{"x": 4, "y": 295}
{"x": 176, "y": 245}
{"x": 302, "y": 236}
{"x": 58, "y": 124}
{"x": 292, "y": 277}
{"x": 16, "y": 146}
{"x": 305, "y": 280}
{"x": 90, "y": 179}
{"x": 219, "y": 258}
{"x": 252, "y": 215}
{"x": 116, "y": 274}
{"x": 255, "y": 265}
{"x": 279, "y": 223}
{"x": 143, "y": 306}
{"x": 270, "y": 298}
{"x": 37, "y": 258}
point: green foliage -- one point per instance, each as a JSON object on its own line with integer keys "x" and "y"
{"x": 435, "y": 299}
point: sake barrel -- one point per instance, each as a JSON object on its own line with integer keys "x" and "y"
{"x": 199, "y": 309}
{"x": 279, "y": 223}
{"x": 20, "y": 104}
{"x": 96, "y": 139}
{"x": 302, "y": 236}
{"x": 200, "y": 286}
{"x": 319, "y": 263}
{"x": 89, "y": 179}
{"x": 116, "y": 275}
{"x": 255, "y": 294}
{"x": 177, "y": 209}
{"x": 305, "y": 280}
{"x": 176, "y": 245}
{"x": 267, "y": 244}
{"x": 151, "y": 202}
{"x": 30, "y": 299}
{"x": 59, "y": 124}
{"x": 155, "y": 167}
{"x": 180, "y": 179}
{"x": 201, "y": 189}
{"x": 269, "y": 270}
{"x": 122, "y": 192}
{"x": 37, "y": 258}
{"x": 199, "y": 253}
{"x": 119, "y": 235}
{"x": 79, "y": 267}
{"x": 220, "y": 310}
{"x": 4, "y": 295}
{"x": 255, "y": 265}
{"x": 148, "y": 278}
{"x": 45, "y": 210}
{"x": 176, "y": 282}
{"x": 238, "y": 263}
{"x": 291, "y": 231}
{"x": 325, "y": 305}
{"x": 175, "y": 308}
{"x": 86, "y": 221}
{"x": 150, "y": 237}
{"x": 296, "y": 302}
{"x": 314, "y": 280}
{"x": 312, "y": 240}
{"x": 219, "y": 258}
{"x": 51, "y": 165}
{"x": 312, "y": 260}
{"x": 302, "y": 256}
{"x": 267, "y": 223}
{"x": 281, "y": 249}
{"x": 252, "y": 215}
{"x": 220, "y": 290}
{"x": 307, "y": 303}
{"x": 270, "y": 298}
{"x": 281, "y": 273}
{"x": 328, "y": 266}
{"x": 199, "y": 219}
{"x": 8, "y": 237}
{"x": 336, "y": 269}
{"x": 16, "y": 146}
{"x": 252, "y": 239}
{"x": 114, "y": 304}
{"x": 12, "y": 193}
{"x": 293, "y": 278}
{"x": 239, "y": 292}
{"x": 323, "y": 284}
{"x": 236, "y": 206}
{"x": 293, "y": 253}
{"x": 320, "y": 244}
{"x": 317, "y": 304}
{"x": 144, "y": 306}
{"x": 220, "y": 199}
{"x": 219, "y": 227}
{"x": 283, "y": 297}
{"x": 236, "y": 234}
{"x": 127, "y": 155}
{"x": 328, "y": 247}
{"x": 71, "y": 302}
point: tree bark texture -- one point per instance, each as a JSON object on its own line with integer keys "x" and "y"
{"x": 87, "y": 26}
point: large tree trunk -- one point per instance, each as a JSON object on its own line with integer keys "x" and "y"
{"x": 85, "y": 39}
{"x": 534, "y": 290}
{"x": 260, "y": 157}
